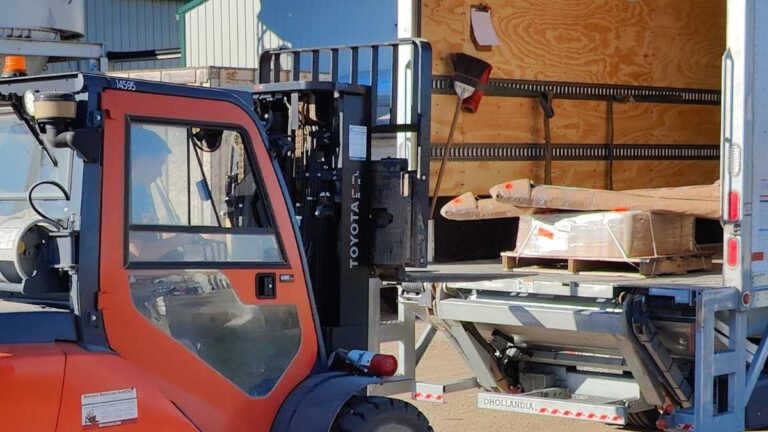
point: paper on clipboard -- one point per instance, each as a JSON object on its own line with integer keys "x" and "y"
{"x": 482, "y": 27}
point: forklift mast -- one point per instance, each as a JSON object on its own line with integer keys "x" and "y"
{"x": 349, "y": 127}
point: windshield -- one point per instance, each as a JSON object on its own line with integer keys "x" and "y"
{"x": 23, "y": 164}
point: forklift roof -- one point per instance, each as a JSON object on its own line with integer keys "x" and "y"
{"x": 80, "y": 82}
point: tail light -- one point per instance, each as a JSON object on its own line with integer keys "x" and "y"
{"x": 383, "y": 365}
{"x": 662, "y": 423}
{"x": 746, "y": 299}
{"x": 372, "y": 363}
{"x": 733, "y": 206}
{"x": 732, "y": 252}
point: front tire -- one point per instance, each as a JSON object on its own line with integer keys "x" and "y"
{"x": 380, "y": 414}
{"x": 644, "y": 420}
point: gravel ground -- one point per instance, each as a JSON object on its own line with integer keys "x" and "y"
{"x": 442, "y": 363}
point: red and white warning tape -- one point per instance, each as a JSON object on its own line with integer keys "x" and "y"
{"x": 581, "y": 415}
{"x": 428, "y": 397}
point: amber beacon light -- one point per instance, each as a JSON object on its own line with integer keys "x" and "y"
{"x": 14, "y": 66}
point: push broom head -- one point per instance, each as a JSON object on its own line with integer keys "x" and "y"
{"x": 469, "y": 73}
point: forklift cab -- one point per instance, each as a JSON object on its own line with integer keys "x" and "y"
{"x": 149, "y": 231}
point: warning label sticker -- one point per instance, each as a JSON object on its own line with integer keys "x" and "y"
{"x": 109, "y": 408}
{"x": 7, "y": 236}
{"x": 358, "y": 142}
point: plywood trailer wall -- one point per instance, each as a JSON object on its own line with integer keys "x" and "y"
{"x": 662, "y": 43}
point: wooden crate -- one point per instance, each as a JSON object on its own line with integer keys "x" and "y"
{"x": 644, "y": 266}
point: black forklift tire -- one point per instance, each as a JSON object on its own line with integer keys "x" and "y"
{"x": 380, "y": 414}
{"x": 644, "y": 420}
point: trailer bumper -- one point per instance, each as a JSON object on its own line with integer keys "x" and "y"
{"x": 550, "y": 402}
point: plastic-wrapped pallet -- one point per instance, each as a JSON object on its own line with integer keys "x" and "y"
{"x": 605, "y": 235}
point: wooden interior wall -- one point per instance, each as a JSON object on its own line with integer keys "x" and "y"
{"x": 669, "y": 43}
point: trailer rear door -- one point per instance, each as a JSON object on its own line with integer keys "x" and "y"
{"x": 744, "y": 160}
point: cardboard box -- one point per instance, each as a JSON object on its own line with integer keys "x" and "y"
{"x": 605, "y": 235}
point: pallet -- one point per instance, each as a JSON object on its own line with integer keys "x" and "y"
{"x": 644, "y": 266}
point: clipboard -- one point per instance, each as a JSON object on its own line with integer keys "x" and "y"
{"x": 481, "y": 27}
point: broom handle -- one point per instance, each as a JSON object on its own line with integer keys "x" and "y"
{"x": 444, "y": 160}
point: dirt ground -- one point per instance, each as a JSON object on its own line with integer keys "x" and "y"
{"x": 442, "y": 363}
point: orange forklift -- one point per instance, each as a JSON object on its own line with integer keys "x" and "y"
{"x": 178, "y": 258}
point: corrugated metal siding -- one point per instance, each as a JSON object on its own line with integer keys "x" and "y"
{"x": 233, "y": 33}
{"x": 130, "y": 25}
{"x": 226, "y": 33}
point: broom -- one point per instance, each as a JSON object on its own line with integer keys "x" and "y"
{"x": 469, "y": 73}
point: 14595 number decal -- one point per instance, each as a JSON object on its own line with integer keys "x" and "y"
{"x": 125, "y": 85}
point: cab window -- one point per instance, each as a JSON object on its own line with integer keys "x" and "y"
{"x": 193, "y": 197}
{"x": 251, "y": 345}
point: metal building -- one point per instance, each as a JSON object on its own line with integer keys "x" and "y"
{"x": 130, "y": 25}
{"x": 234, "y": 32}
